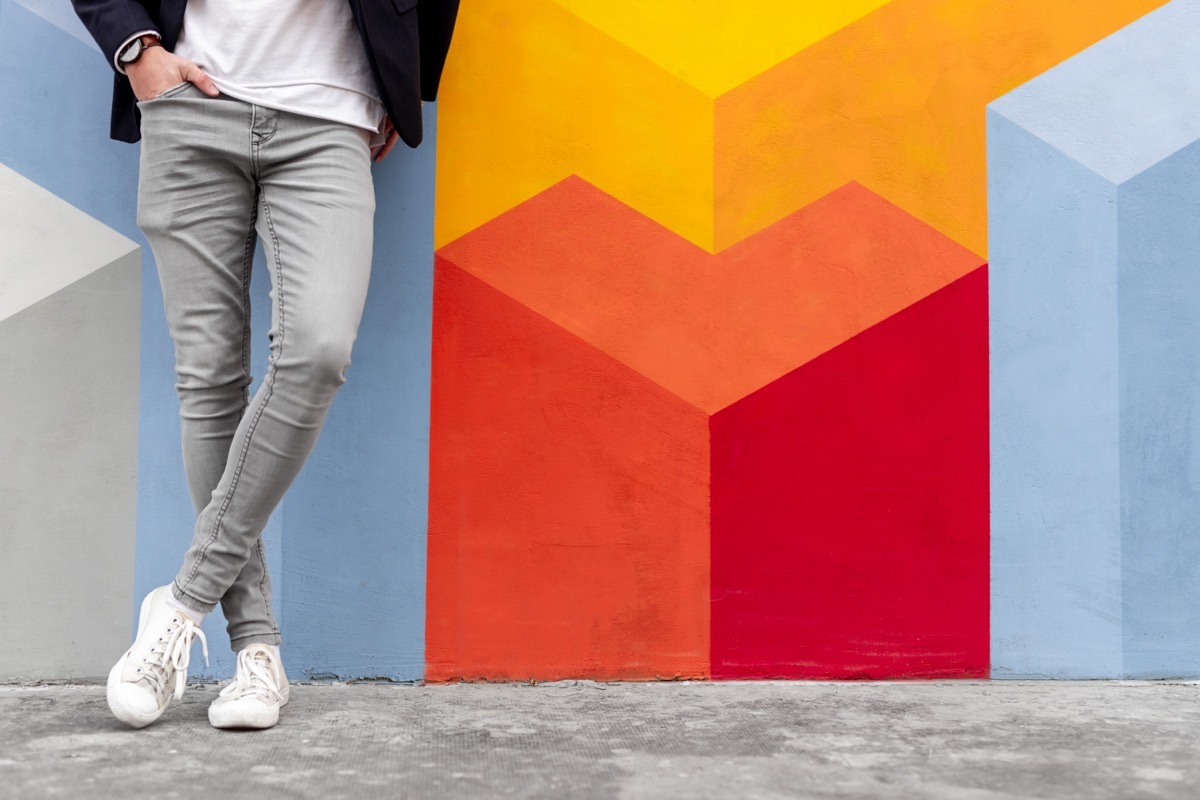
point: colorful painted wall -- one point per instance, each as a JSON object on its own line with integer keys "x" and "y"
{"x": 711, "y": 345}
{"x": 734, "y": 340}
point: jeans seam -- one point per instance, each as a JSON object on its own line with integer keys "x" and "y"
{"x": 269, "y": 391}
{"x": 247, "y": 262}
{"x": 262, "y": 585}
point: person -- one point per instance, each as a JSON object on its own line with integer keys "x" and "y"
{"x": 259, "y": 120}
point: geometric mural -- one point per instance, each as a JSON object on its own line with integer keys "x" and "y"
{"x": 710, "y": 389}
{"x": 761, "y": 340}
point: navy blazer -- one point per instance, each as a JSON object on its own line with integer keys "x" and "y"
{"x": 406, "y": 43}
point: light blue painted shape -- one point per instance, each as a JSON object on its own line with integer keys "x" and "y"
{"x": 347, "y": 548}
{"x": 1124, "y": 104}
{"x": 55, "y": 126}
{"x": 1095, "y": 323}
{"x": 1056, "y": 604}
{"x": 61, "y": 14}
{"x": 355, "y": 522}
{"x": 1158, "y": 302}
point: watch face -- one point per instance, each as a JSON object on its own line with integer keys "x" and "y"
{"x": 132, "y": 52}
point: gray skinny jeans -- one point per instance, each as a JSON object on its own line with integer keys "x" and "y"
{"x": 215, "y": 174}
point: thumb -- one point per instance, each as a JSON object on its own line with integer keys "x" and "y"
{"x": 195, "y": 75}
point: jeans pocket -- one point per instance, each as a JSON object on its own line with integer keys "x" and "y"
{"x": 166, "y": 93}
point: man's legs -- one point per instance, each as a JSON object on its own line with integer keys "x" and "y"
{"x": 315, "y": 216}
{"x": 197, "y": 206}
{"x": 213, "y": 171}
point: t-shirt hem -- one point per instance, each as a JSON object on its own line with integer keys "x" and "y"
{"x": 248, "y": 97}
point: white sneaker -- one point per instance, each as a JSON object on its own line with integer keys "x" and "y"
{"x": 258, "y": 690}
{"x": 154, "y": 670}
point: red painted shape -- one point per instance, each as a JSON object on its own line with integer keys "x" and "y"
{"x": 568, "y": 504}
{"x": 850, "y": 506}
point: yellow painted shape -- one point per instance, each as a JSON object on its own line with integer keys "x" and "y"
{"x": 533, "y": 94}
{"x": 715, "y": 45}
{"x": 895, "y": 100}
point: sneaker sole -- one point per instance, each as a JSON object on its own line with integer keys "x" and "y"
{"x": 259, "y": 719}
{"x": 129, "y": 716}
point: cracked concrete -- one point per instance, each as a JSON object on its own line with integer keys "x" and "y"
{"x": 970, "y": 740}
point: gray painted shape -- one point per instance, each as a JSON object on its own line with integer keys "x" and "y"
{"x": 68, "y": 437}
{"x": 48, "y": 243}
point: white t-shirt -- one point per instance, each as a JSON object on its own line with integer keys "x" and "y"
{"x": 303, "y": 56}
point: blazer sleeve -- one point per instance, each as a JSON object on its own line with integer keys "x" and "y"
{"x": 112, "y": 22}
{"x": 435, "y": 23}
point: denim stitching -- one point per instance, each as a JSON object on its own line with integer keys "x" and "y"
{"x": 247, "y": 264}
{"x": 262, "y": 585}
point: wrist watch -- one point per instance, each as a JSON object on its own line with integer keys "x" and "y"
{"x": 134, "y": 50}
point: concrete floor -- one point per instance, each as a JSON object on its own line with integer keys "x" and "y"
{"x": 588, "y": 740}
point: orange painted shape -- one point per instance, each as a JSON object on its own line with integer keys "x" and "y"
{"x": 710, "y": 328}
{"x": 533, "y": 94}
{"x": 895, "y": 101}
{"x": 568, "y": 518}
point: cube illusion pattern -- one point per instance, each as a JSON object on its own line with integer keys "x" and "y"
{"x": 710, "y": 372}
{"x": 710, "y": 378}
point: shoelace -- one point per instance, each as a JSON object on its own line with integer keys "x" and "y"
{"x": 253, "y": 674}
{"x": 176, "y": 652}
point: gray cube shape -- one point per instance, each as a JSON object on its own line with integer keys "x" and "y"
{"x": 70, "y": 299}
